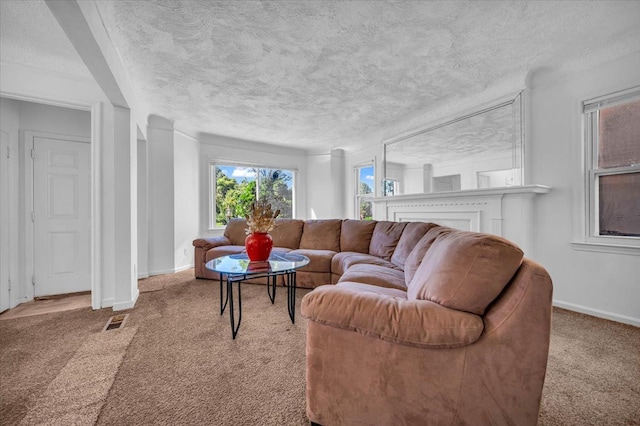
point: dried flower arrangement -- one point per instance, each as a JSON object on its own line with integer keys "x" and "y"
{"x": 261, "y": 219}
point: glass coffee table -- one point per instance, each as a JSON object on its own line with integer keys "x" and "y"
{"x": 237, "y": 268}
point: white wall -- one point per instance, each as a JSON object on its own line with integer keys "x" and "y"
{"x": 186, "y": 198}
{"x": 225, "y": 149}
{"x": 52, "y": 119}
{"x": 325, "y": 185}
{"x": 173, "y": 197}
{"x": 602, "y": 284}
{"x": 143, "y": 211}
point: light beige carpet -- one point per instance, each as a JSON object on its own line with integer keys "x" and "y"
{"x": 76, "y": 395}
{"x": 182, "y": 367}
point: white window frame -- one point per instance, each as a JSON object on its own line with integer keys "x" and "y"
{"x": 592, "y": 240}
{"x": 358, "y": 196}
{"x": 213, "y": 186}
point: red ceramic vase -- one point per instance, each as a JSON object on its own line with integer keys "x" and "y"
{"x": 258, "y": 246}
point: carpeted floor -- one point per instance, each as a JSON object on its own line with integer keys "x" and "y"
{"x": 180, "y": 365}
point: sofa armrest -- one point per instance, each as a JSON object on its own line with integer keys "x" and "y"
{"x": 211, "y": 242}
{"x": 202, "y": 246}
{"x": 419, "y": 323}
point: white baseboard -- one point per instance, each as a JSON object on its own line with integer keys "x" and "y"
{"x": 597, "y": 313}
{"x": 120, "y": 306}
{"x": 170, "y": 271}
{"x": 184, "y": 268}
{"x": 107, "y": 303}
{"x": 142, "y": 275}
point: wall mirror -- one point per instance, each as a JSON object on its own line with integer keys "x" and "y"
{"x": 480, "y": 149}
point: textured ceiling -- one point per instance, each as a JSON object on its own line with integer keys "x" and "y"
{"x": 30, "y": 36}
{"x": 328, "y": 74}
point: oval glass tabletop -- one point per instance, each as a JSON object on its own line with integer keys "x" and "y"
{"x": 240, "y": 264}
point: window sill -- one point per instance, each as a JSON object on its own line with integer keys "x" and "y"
{"x": 607, "y": 248}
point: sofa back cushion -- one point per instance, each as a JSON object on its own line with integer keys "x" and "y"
{"x": 287, "y": 233}
{"x": 355, "y": 235}
{"x": 414, "y": 260}
{"x": 321, "y": 234}
{"x": 235, "y": 231}
{"x": 385, "y": 238}
{"x": 465, "y": 271}
{"x": 412, "y": 233}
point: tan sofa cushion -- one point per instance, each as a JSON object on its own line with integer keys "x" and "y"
{"x": 287, "y": 233}
{"x": 235, "y": 231}
{"x": 356, "y": 235}
{"x": 319, "y": 260}
{"x": 385, "y": 238}
{"x": 386, "y": 314}
{"x": 312, "y": 279}
{"x": 344, "y": 260}
{"x": 412, "y": 233}
{"x": 465, "y": 271}
{"x": 416, "y": 256}
{"x": 321, "y": 234}
{"x": 377, "y": 275}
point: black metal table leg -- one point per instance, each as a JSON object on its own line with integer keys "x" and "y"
{"x": 234, "y": 327}
{"x": 223, "y": 306}
{"x": 291, "y": 295}
{"x": 271, "y": 287}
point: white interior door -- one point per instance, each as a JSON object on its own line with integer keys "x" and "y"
{"x": 4, "y": 221}
{"x": 62, "y": 215}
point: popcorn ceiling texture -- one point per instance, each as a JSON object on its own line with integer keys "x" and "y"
{"x": 305, "y": 73}
{"x": 334, "y": 74}
{"x": 30, "y": 35}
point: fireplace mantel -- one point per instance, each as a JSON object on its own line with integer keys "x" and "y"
{"x": 507, "y": 211}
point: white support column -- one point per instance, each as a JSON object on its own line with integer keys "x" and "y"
{"x": 118, "y": 243}
{"x": 337, "y": 181}
{"x": 114, "y": 155}
{"x": 161, "y": 195}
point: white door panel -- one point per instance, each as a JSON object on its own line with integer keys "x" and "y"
{"x": 61, "y": 204}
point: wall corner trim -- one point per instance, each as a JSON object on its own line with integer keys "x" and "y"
{"x": 120, "y": 306}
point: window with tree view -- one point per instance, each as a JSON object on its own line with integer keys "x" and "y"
{"x": 614, "y": 182}
{"x": 237, "y": 187}
{"x": 364, "y": 189}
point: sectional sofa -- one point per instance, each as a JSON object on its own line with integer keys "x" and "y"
{"x": 339, "y": 250}
{"x": 425, "y": 324}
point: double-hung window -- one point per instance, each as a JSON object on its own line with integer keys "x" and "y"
{"x": 236, "y": 187}
{"x": 364, "y": 189}
{"x": 612, "y": 133}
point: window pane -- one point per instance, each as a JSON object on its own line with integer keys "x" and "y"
{"x": 620, "y": 204}
{"x": 276, "y": 186}
{"x": 366, "y": 210}
{"x": 365, "y": 180}
{"x": 619, "y": 135}
{"x": 364, "y": 187}
{"x": 235, "y": 192}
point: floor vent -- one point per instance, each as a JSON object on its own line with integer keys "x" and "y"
{"x": 116, "y": 322}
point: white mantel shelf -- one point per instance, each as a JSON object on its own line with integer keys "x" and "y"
{"x": 506, "y": 211}
{"x": 505, "y": 190}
